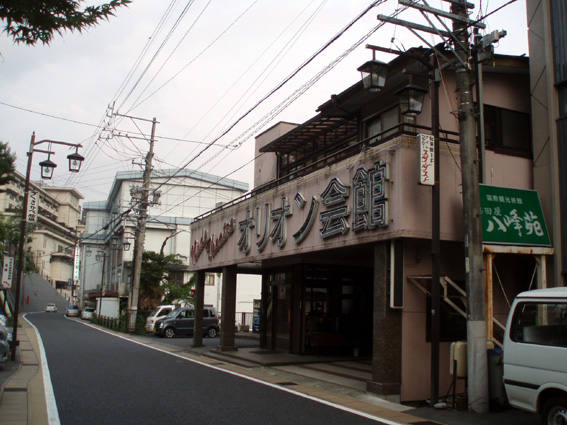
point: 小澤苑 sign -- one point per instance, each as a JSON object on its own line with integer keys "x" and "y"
{"x": 512, "y": 217}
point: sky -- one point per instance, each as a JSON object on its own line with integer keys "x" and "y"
{"x": 209, "y": 71}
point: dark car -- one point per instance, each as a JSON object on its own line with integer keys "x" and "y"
{"x": 181, "y": 321}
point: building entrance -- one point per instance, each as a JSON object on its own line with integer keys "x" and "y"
{"x": 313, "y": 309}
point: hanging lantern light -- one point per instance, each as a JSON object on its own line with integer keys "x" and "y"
{"x": 411, "y": 99}
{"x": 373, "y": 75}
{"x": 75, "y": 161}
{"x": 47, "y": 168}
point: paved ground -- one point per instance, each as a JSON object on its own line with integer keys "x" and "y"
{"x": 338, "y": 381}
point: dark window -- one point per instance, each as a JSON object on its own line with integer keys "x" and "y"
{"x": 507, "y": 131}
{"x": 541, "y": 324}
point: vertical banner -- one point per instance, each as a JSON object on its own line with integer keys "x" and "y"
{"x": 426, "y": 158}
{"x": 76, "y": 264}
{"x": 33, "y": 197}
{"x": 7, "y": 271}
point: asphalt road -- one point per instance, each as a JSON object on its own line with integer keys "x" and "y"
{"x": 100, "y": 378}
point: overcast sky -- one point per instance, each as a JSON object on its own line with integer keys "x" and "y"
{"x": 197, "y": 67}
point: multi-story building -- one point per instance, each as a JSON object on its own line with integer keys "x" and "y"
{"x": 547, "y": 25}
{"x": 340, "y": 221}
{"x": 175, "y": 198}
{"x": 55, "y": 235}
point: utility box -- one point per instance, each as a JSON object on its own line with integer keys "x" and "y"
{"x": 458, "y": 358}
{"x": 108, "y": 307}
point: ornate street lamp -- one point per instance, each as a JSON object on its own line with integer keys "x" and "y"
{"x": 75, "y": 161}
{"x": 47, "y": 168}
{"x": 411, "y": 99}
{"x": 373, "y": 75}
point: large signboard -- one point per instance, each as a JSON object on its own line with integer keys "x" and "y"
{"x": 512, "y": 217}
{"x": 326, "y": 211}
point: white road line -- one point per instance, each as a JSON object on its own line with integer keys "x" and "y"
{"x": 52, "y": 413}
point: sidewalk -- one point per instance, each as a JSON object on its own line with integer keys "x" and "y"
{"x": 22, "y": 397}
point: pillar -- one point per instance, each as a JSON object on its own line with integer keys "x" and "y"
{"x": 228, "y": 304}
{"x": 199, "y": 304}
{"x": 387, "y": 332}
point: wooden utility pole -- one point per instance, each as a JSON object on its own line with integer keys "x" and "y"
{"x": 474, "y": 264}
{"x": 139, "y": 238}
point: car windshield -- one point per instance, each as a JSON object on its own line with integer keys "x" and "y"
{"x": 172, "y": 314}
{"x": 91, "y": 309}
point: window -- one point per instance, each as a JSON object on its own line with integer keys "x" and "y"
{"x": 384, "y": 121}
{"x": 541, "y": 324}
{"x": 507, "y": 130}
{"x": 210, "y": 279}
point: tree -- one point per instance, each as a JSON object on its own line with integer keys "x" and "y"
{"x": 30, "y": 21}
{"x": 155, "y": 280}
{"x": 7, "y": 159}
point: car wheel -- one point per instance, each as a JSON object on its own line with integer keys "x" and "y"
{"x": 554, "y": 411}
{"x": 169, "y": 333}
{"x": 211, "y": 332}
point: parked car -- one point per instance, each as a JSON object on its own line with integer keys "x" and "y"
{"x": 159, "y": 313}
{"x": 5, "y": 338}
{"x": 51, "y": 308}
{"x": 88, "y": 313}
{"x": 535, "y": 349}
{"x": 72, "y": 311}
{"x": 180, "y": 322}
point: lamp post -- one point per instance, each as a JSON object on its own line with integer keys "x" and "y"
{"x": 47, "y": 167}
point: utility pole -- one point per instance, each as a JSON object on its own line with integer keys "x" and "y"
{"x": 139, "y": 238}
{"x": 474, "y": 266}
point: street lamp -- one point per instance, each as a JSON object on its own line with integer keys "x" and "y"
{"x": 411, "y": 99}
{"x": 47, "y": 167}
{"x": 373, "y": 75}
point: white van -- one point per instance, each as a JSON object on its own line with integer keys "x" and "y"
{"x": 159, "y": 313}
{"x": 535, "y": 354}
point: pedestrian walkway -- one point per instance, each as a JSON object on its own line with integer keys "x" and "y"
{"x": 338, "y": 380}
{"x": 22, "y": 397}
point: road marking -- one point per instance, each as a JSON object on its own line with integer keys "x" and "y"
{"x": 259, "y": 381}
{"x": 52, "y": 413}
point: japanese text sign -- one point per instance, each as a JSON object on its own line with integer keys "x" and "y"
{"x": 512, "y": 217}
{"x": 426, "y": 159}
{"x": 33, "y": 198}
{"x": 7, "y": 272}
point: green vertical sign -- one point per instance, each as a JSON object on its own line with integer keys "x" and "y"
{"x": 512, "y": 217}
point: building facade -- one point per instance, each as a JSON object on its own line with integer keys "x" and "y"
{"x": 107, "y": 244}
{"x": 55, "y": 235}
{"x": 342, "y": 230}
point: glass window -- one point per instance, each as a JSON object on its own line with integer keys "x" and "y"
{"x": 540, "y": 323}
{"x": 507, "y": 129}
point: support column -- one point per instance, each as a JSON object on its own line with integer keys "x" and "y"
{"x": 199, "y": 304}
{"x": 489, "y": 295}
{"x": 541, "y": 271}
{"x": 387, "y": 332}
{"x": 228, "y": 309}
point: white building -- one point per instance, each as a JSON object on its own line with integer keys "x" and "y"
{"x": 108, "y": 241}
{"x": 55, "y": 235}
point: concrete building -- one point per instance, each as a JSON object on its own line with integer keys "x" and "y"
{"x": 342, "y": 230}
{"x": 108, "y": 241}
{"x": 56, "y": 233}
{"x": 547, "y": 25}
